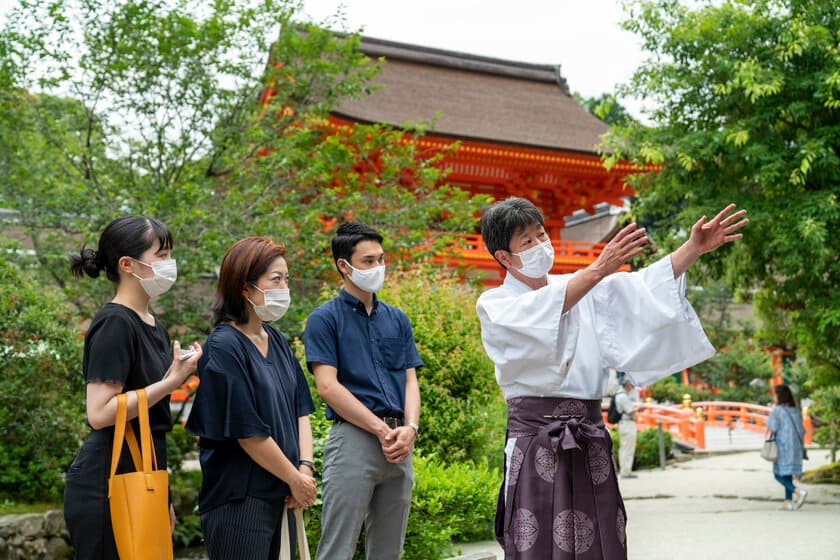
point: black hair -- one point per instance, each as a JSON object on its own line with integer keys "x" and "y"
{"x": 348, "y": 236}
{"x": 502, "y": 219}
{"x": 128, "y": 236}
{"x": 784, "y": 396}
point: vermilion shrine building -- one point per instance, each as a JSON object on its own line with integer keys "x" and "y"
{"x": 520, "y": 133}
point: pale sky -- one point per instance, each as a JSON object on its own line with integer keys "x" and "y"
{"x": 582, "y": 36}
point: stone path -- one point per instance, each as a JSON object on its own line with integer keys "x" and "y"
{"x": 722, "y": 507}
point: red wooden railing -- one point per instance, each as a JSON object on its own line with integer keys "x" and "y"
{"x": 744, "y": 416}
{"x": 687, "y": 424}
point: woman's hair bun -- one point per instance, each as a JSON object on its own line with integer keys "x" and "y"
{"x": 85, "y": 262}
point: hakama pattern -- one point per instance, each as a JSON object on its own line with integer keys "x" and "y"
{"x": 562, "y": 500}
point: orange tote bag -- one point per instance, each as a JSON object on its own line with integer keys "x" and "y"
{"x": 139, "y": 500}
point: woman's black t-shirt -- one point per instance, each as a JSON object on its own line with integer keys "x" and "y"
{"x": 122, "y": 349}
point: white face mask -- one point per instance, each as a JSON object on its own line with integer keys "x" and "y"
{"x": 275, "y": 304}
{"x": 537, "y": 261}
{"x": 165, "y": 274}
{"x": 370, "y": 280}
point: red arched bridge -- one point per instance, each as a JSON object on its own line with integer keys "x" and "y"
{"x": 710, "y": 425}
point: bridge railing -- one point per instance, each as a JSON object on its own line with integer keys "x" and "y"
{"x": 688, "y": 424}
{"x": 744, "y": 416}
{"x": 683, "y": 423}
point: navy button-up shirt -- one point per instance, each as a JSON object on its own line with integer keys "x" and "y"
{"x": 371, "y": 353}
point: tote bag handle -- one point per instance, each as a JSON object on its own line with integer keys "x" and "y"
{"x": 286, "y": 537}
{"x": 147, "y": 460}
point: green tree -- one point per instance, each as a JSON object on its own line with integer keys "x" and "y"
{"x": 213, "y": 118}
{"x": 747, "y": 97}
{"x": 607, "y": 108}
{"x": 826, "y": 410}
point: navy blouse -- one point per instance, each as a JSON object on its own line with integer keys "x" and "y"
{"x": 241, "y": 395}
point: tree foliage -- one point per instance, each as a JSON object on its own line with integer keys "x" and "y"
{"x": 607, "y": 108}
{"x": 213, "y": 118}
{"x": 748, "y": 111}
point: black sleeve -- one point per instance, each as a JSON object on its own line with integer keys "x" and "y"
{"x": 110, "y": 349}
{"x": 224, "y": 405}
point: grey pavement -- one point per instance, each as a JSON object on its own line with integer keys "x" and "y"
{"x": 723, "y": 506}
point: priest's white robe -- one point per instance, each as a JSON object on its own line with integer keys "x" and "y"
{"x": 637, "y": 322}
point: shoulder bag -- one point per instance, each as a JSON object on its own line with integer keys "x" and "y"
{"x": 139, "y": 500}
{"x": 770, "y": 450}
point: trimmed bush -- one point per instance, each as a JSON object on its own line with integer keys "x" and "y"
{"x": 646, "y": 455}
{"x": 647, "y": 448}
{"x": 826, "y": 474}
{"x": 41, "y": 386}
{"x": 453, "y": 502}
{"x": 668, "y": 390}
{"x": 463, "y": 414}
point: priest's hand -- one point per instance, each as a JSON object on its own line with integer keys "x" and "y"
{"x": 626, "y": 244}
{"x": 708, "y": 236}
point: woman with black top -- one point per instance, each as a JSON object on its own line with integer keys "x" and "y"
{"x": 126, "y": 348}
{"x": 251, "y": 410}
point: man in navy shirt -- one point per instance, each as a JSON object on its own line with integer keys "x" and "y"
{"x": 364, "y": 359}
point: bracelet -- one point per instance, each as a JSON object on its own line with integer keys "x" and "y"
{"x": 310, "y": 464}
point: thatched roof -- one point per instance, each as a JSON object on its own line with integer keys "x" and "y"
{"x": 476, "y": 97}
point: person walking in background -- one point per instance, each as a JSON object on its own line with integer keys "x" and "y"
{"x": 625, "y": 402}
{"x": 552, "y": 340}
{"x": 126, "y": 348}
{"x": 251, "y": 410}
{"x": 362, "y": 354}
{"x": 785, "y": 423}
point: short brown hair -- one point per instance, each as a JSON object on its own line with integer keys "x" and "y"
{"x": 243, "y": 264}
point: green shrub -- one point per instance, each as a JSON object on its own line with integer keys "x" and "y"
{"x": 41, "y": 386}
{"x": 668, "y": 390}
{"x": 453, "y": 502}
{"x": 463, "y": 409}
{"x": 180, "y": 445}
{"x": 826, "y": 474}
{"x": 647, "y": 448}
{"x": 467, "y": 492}
{"x": 646, "y": 455}
{"x": 184, "y": 486}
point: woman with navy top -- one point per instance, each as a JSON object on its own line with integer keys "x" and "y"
{"x": 251, "y": 410}
{"x": 785, "y": 422}
{"x": 126, "y": 348}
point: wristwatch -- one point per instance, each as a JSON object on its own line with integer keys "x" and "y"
{"x": 415, "y": 427}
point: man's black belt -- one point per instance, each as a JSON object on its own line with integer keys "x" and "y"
{"x": 392, "y": 421}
